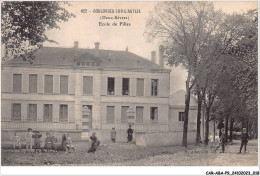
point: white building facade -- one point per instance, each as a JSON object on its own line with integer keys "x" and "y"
{"x": 49, "y": 94}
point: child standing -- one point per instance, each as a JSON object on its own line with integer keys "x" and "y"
{"x": 94, "y": 143}
{"x": 16, "y": 141}
{"x": 64, "y": 142}
{"x": 113, "y": 135}
{"x": 48, "y": 142}
{"x": 37, "y": 140}
{"x": 29, "y": 140}
{"x": 69, "y": 145}
{"x": 54, "y": 142}
{"x": 212, "y": 143}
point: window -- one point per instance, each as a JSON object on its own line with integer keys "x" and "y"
{"x": 124, "y": 118}
{"x": 17, "y": 83}
{"x": 47, "y": 116}
{"x": 154, "y": 114}
{"x": 139, "y": 114}
{"x": 87, "y": 85}
{"x": 110, "y": 114}
{"x": 32, "y": 83}
{"x": 125, "y": 86}
{"x": 48, "y": 84}
{"x": 16, "y": 111}
{"x": 64, "y": 84}
{"x": 154, "y": 87}
{"x": 139, "y": 87}
{"x": 181, "y": 116}
{"x": 63, "y": 113}
{"x": 32, "y": 112}
{"x": 111, "y": 86}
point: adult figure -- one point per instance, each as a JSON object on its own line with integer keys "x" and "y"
{"x": 223, "y": 140}
{"x": 130, "y": 132}
{"x": 220, "y": 126}
{"x": 244, "y": 140}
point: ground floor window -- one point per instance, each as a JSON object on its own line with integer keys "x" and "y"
{"x": 16, "y": 111}
{"x": 110, "y": 114}
{"x": 32, "y": 112}
{"x": 124, "y": 118}
{"x": 139, "y": 114}
{"x": 154, "y": 114}
{"x": 63, "y": 113}
{"x": 47, "y": 113}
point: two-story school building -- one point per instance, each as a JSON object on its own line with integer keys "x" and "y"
{"x": 49, "y": 94}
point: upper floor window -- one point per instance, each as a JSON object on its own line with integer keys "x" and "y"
{"x": 139, "y": 87}
{"x": 87, "y": 85}
{"x": 47, "y": 113}
{"x": 16, "y": 111}
{"x": 33, "y": 83}
{"x": 154, "y": 87}
{"x": 111, "y": 86}
{"x": 154, "y": 114}
{"x": 63, "y": 113}
{"x": 17, "y": 83}
{"x": 125, "y": 86}
{"x": 64, "y": 84}
{"x": 181, "y": 116}
{"x": 48, "y": 84}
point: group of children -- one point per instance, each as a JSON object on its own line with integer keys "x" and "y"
{"x": 221, "y": 141}
{"x": 95, "y": 142}
{"x": 130, "y": 132}
{"x": 33, "y": 140}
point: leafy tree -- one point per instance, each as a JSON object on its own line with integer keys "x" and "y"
{"x": 184, "y": 29}
{"x": 24, "y": 24}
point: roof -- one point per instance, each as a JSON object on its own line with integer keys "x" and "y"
{"x": 178, "y": 99}
{"x": 57, "y": 56}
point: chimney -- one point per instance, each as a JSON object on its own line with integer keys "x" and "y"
{"x": 153, "y": 56}
{"x": 97, "y": 45}
{"x": 161, "y": 52}
{"x": 76, "y": 44}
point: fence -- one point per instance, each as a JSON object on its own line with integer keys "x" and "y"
{"x": 43, "y": 126}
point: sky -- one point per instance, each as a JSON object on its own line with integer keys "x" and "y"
{"x": 86, "y": 30}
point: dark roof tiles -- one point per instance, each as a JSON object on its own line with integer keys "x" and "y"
{"x": 108, "y": 58}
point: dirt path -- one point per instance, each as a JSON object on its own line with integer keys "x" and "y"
{"x": 131, "y": 155}
{"x": 203, "y": 157}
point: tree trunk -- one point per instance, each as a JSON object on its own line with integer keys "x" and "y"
{"x": 207, "y": 127}
{"x": 186, "y": 115}
{"x": 198, "y": 121}
{"x": 226, "y": 128}
{"x": 231, "y": 130}
{"x": 214, "y": 129}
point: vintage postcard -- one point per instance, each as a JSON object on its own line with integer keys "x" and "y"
{"x": 120, "y": 83}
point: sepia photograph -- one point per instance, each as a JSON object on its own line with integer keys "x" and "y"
{"x": 121, "y": 83}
